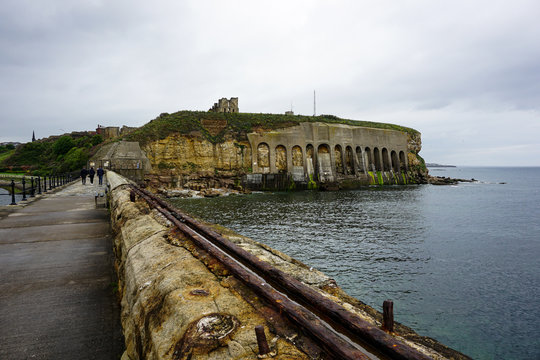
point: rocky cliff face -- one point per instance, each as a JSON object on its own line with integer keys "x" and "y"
{"x": 416, "y": 162}
{"x": 192, "y": 161}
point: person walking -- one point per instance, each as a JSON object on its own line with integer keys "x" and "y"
{"x": 84, "y": 172}
{"x": 91, "y": 174}
{"x": 100, "y": 173}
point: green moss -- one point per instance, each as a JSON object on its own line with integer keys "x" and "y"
{"x": 292, "y": 186}
{"x": 380, "y": 178}
{"x": 370, "y": 173}
{"x": 312, "y": 185}
{"x": 404, "y": 178}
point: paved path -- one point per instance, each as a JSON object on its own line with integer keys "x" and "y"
{"x": 57, "y": 286}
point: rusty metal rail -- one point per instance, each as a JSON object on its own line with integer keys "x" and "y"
{"x": 342, "y": 334}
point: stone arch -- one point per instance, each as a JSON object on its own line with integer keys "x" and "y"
{"x": 360, "y": 159}
{"x": 263, "y": 158}
{"x": 324, "y": 163}
{"x": 297, "y": 156}
{"x": 349, "y": 160}
{"x": 369, "y": 156}
{"x": 395, "y": 161}
{"x": 310, "y": 159}
{"x": 377, "y": 159}
{"x": 323, "y": 149}
{"x": 402, "y": 161}
{"x": 338, "y": 155}
{"x": 385, "y": 160}
{"x": 281, "y": 159}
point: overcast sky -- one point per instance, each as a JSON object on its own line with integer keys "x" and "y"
{"x": 464, "y": 73}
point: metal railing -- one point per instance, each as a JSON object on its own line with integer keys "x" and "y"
{"x": 30, "y": 186}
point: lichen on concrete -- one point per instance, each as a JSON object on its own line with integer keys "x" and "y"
{"x": 165, "y": 289}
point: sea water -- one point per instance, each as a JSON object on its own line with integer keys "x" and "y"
{"x": 460, "y": 262}
{"x": 6, "y": 199}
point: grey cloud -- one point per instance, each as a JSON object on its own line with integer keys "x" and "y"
{"x": 71, "y": 65}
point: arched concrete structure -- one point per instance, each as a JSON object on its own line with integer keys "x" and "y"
{"x": 329, "y": 152}
{"x": 370, "y": 162}
{"x": 359, "y": 161}
{"x": 349, "y": 161}
{"x": 281, "y": 159}
{"x": 310, "y": 160}
{"x": 297, "y": 158}
{"x": 325, "y": 164}
{"x": 297, "y": 163}
{"x": 338, "y": 158}
{"x": 263, "y": 158}
{"x": 402, "y": 161}
{"x": 385, "y": 160}
{"x": 395, "y": 161}
{"x": 377, "y": 159}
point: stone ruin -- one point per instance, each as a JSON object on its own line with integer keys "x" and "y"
{"x": 109, "y": 132}
{"x": 225, "y": 106}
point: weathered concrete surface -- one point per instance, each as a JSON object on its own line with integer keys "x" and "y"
{"x": 125, "y": 157}
{"x": 168, "y": 285}
{"x": 57, "y": 296}
{"x": 168, "y": 293}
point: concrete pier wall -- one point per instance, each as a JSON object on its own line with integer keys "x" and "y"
{"x": 168, "y": 287}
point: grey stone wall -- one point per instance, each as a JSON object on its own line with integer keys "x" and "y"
{"x": 124, "y": 157}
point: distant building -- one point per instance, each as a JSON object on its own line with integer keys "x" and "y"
{"x": 109, "y": 132}
{"x": 33, "y": 136}
{"x": 225, "y": 106}
{"x": 290, "y": 112}
{"x": 14, "y": 143}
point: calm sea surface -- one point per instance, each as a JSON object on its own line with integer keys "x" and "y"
{"x": 462, "y": 263}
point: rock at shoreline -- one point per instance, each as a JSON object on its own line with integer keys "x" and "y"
{"x": 443, "y": 180}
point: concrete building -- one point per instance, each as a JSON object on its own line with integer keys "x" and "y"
{"x": 125, "y": 158}
{"x": 329, "y": 152}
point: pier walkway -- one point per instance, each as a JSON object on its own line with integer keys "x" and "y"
{"x": 57, "y": 285}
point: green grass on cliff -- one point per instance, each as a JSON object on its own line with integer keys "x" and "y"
{"x": 5, "y": 154}
{"x": 238, "y": 124}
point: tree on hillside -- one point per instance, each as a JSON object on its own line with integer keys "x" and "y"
{"x": 74, "y": 159}
{"x": 63, "y": 145}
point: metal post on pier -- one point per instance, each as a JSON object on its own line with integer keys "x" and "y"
{"x": 50, "y": 182}
{"x": 32, "y": 189}
{"x": 38, "y": 185}
{"x": 44, "y": 183}
{"x": 261, "y": 340}
{"x": 388, "y": 315}
{"x": 23, "y": 189}
{"x": 13, "y": 192}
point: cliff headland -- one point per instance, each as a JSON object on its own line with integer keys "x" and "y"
{"x": 243, "y": 151}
